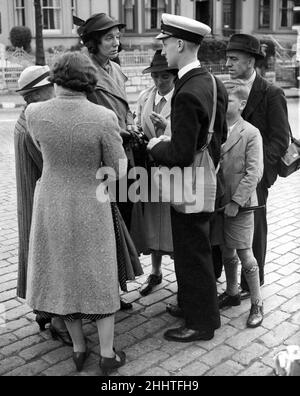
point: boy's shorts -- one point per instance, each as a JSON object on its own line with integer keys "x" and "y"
{"x": 233, "y": 232}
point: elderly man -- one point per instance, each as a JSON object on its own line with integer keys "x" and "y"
{"x": 266, "y": 109}
{"x": 34, "y": 87}
{"x": 191, "y": 111}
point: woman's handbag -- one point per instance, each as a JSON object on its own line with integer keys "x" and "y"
{"x": 290, "y": 162}
{"x": 192, "y": 189}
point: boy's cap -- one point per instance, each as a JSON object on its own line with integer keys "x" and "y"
{"x": 182, "y": 27}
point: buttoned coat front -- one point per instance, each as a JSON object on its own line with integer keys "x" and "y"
{"x": 242, "y": 164}
{"x": 72, "y": 264}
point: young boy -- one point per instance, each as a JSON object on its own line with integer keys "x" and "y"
{"x": 242, "y": 165}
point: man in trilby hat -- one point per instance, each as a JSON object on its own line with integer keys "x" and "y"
{"x": 266, "y": 109}
{"x": 34, "y": 86}
{"x": 191, "y": 111}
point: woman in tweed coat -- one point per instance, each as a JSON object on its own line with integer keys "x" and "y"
{"x": 72, "y": 264}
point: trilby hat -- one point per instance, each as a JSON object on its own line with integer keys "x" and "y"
{"x": 33, "y": 78}
{"x": 159, "y": 63}
{"x": 182, "y": 27}
{"x": 245, "y": 43}
{"x": 96, "y": 23}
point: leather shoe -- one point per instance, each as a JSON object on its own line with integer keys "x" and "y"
{"x": 152, "y": 280}
{"x": 183, "y": 334}
{"x": 256, "y": 316}
{"x": 174, "y": 310}
{"x": 124, "y": 306}
{"x": 79, "y": 358}
{"x": 225, "y": 300}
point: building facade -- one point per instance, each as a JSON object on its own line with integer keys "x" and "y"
{"x": 142, "y": 18}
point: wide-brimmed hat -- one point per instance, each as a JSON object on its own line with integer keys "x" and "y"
{"x": 245, "y": 43}
{"x": 183, "y": 28}
{"x": 159, "y": 63}
{"x": 33, "y": 78}
{"x": 96, "y": 23}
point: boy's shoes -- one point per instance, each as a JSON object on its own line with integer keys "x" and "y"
{"x": 256, "y": 316}
{"x": 225, "y": 300}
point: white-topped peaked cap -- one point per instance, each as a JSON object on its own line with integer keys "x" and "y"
{"x": 32, "y": 78}
{"x": 182, "y": 27}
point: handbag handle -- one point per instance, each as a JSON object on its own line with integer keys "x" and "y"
{"x": 213, "y": 116}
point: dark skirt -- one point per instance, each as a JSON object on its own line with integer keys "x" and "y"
{"x": 129, "y": 265}
{"x": 72, "y": 317}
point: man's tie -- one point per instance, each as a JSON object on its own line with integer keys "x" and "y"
{"x": 160, "y": 105}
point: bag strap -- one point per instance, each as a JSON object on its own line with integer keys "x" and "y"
{"x": 213, "y": 116}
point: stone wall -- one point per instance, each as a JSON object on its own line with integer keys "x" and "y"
{"x": 137, "y": 81}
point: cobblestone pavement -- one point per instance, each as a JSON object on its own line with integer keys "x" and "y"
{"x": 234, "y": 351}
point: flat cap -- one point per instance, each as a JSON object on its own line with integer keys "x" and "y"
{"x": 182, "y": 27}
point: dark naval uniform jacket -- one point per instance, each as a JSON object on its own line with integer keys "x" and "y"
{"x": 189, "y": 132}
{"x": 191, "y": 110}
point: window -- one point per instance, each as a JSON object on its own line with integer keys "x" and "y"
{"x": 264, "y": 14}
{"x": 20, "y": 12}
{"x": 153, "y": 12}
{"x": 74, "y": 12}
{"x": 52, "y": 14}
{"x": 130, "y": 15}
{"x": 286, "y": 13}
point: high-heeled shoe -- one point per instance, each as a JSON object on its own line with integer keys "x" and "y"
{"x": 109, "y": 364}
{"x": 63, "y": 336}
{"x": 79, "y": 358}
{"x": 42, "y": 322}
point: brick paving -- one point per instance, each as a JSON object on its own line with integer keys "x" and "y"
{"x": 234, "y": 351}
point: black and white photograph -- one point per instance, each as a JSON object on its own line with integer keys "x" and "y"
{"x": 149, "y": 191}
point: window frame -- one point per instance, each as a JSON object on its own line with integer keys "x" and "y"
{"x": 168, "y": 9}
{"x": 17, "y": 9}
{"x": 53, "y": 31}
{"x": 135, "y": 30}
{"x": 270, "y": 26}
{"x": 289, "y": 11}
{"x": 74, "y": 11}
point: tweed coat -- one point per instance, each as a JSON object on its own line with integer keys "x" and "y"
{"x": 153, "y": 231}
{"x": 72, "y": 264}
{"x": 111, "y": 93}
{"x": 266, "y": 109}
{"x": 29, "y": 164}
{"x": 242, "y": 164}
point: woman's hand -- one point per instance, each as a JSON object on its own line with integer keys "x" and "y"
{"x": 158, "y": 121}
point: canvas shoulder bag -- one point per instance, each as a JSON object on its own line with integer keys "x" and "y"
{"x": 191, "y": 189}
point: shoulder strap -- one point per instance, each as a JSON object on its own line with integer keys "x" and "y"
{"x": 213, "y": 116}
{"x": 214, "y": 112}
